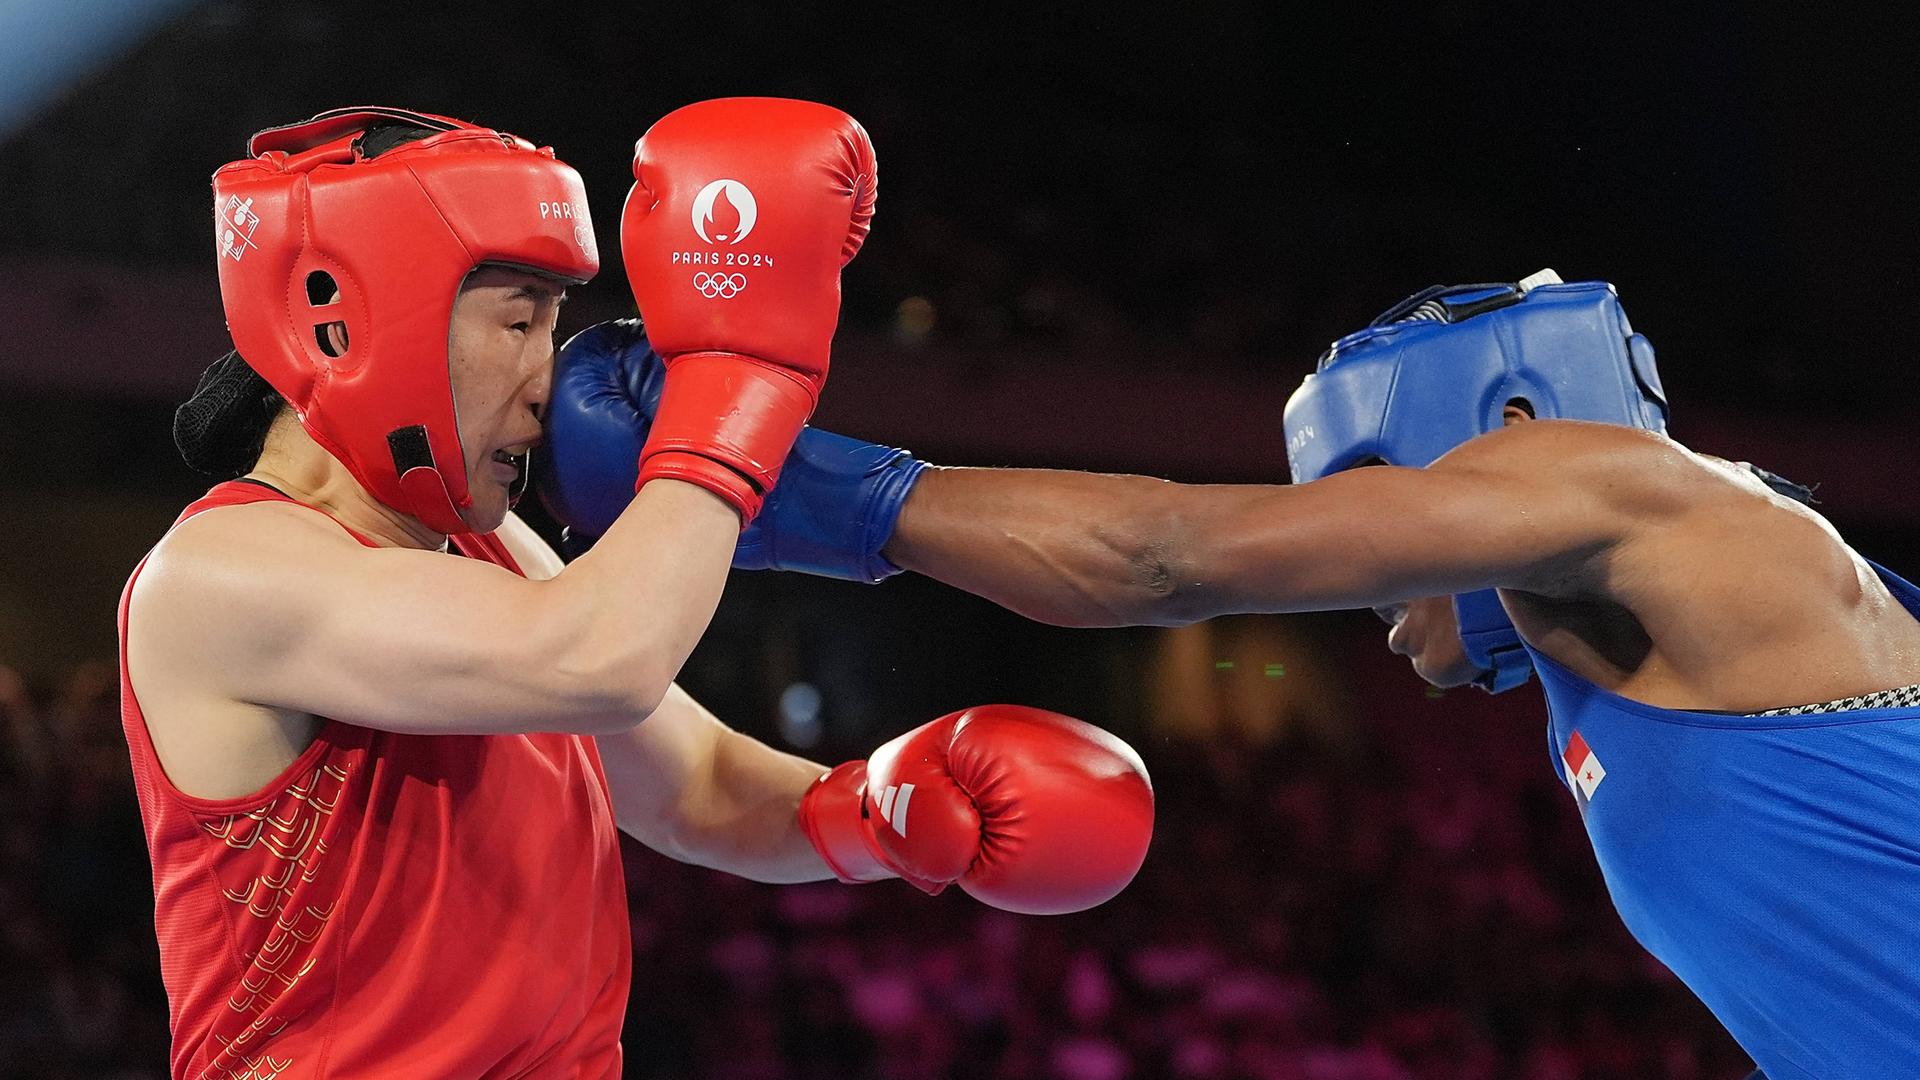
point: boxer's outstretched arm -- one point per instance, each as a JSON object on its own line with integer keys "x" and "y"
{"x": 1529, "y": 507}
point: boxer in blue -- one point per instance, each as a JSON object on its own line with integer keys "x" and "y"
{"x": 1733, "y": 692}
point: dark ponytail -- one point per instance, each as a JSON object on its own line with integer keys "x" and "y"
{"x": 222, "y": 427}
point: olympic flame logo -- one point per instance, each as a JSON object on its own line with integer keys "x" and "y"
{"x": 724, "y": 212}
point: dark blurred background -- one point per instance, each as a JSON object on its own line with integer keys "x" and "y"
{"x": 1109, "y": 236}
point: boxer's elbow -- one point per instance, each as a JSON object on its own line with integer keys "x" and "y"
{"x": 1169, "y": 589}
{"x": 605, "y": 695}
{"x": 1157, "y": 577}
{"x": 1104, "y": 578}
{"x": 1181, "y": 565}
{"x": 621, "y": 690}
{"x": 611, "y": 676}
{"x": 1148, "y": 588}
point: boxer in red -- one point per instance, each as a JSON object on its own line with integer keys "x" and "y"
{"x": 383, "y": 739}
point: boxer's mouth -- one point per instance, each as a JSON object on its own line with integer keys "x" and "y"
{"x": 515, "y": 458}
{"x": 514, "y": 453}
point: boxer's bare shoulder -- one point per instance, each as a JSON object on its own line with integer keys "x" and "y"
{"x": 277, "y": 607}
{"x": 232, "y": 573}
{"x": 211, "y": 584}
{"x": 1698, "y": 534}
{"x": 1632, "y": 470}
{"x": 1667, "y": 498}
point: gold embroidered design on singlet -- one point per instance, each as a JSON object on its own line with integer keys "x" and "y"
{"x": 264, "y": 1067}
{"x": 288, "y": 829}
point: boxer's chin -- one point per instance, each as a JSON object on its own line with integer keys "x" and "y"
{"x": 1428, "y": 634}
{"x": 491, "y": 501}
{"x": 1442, "y": 657}
{"x": 1447, "y": 674}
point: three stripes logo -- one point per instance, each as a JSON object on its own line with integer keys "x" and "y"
{"x": 892, "y": 805}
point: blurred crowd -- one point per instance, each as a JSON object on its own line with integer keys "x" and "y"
{"x": 1311, "y": 909}
{"x": 80, "y": 991}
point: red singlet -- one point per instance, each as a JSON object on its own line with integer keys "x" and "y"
{"x": 390, "y": 905}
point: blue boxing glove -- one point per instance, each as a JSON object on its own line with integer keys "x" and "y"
{"x": 833, "y": 509}
{"x": 606, "y": 388}
{"x": 831, "y": 512}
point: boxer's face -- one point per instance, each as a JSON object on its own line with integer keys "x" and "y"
{"x": 501, "y": 343}
{"x": 1428, "y": 633}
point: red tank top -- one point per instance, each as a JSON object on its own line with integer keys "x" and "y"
{"x": 390, "y": 905}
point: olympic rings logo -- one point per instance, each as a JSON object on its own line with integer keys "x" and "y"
{"x": 719, "y": 286}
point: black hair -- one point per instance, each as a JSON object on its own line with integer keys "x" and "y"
{"x": 222, "y": 427}
{"x": 384, "y": 136}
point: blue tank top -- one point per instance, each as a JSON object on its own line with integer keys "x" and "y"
{"x": 1773, "y": 863}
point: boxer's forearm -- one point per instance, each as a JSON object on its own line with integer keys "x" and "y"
{"x": 1081, "y": 549}
{"x": 691, "y": 788}
{"x": 1069, "y": 548}
{"x": 637, "y": 604}
{"x": 750, "y": 825}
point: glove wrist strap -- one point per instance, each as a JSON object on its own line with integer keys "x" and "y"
{"x": 736, "y": 413}
{"x": 833, "y": 816}
{"x": 709, "y": 474}
{"x": 882, "y": 515}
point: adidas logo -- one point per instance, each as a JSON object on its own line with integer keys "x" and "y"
{"x": 893, "y": 806}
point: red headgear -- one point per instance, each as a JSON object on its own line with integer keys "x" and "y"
{"x": 310, "y": 212}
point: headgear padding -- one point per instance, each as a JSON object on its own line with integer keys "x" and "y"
{"x": 313, "y": 210}
{"x": 1440, "y": 367}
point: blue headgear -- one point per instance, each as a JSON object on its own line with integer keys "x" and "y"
{"x": 1438, "y": 368}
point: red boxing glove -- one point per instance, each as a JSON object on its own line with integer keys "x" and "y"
{"x": 1028, "y": 810}
{"x": 742, "y": 213}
